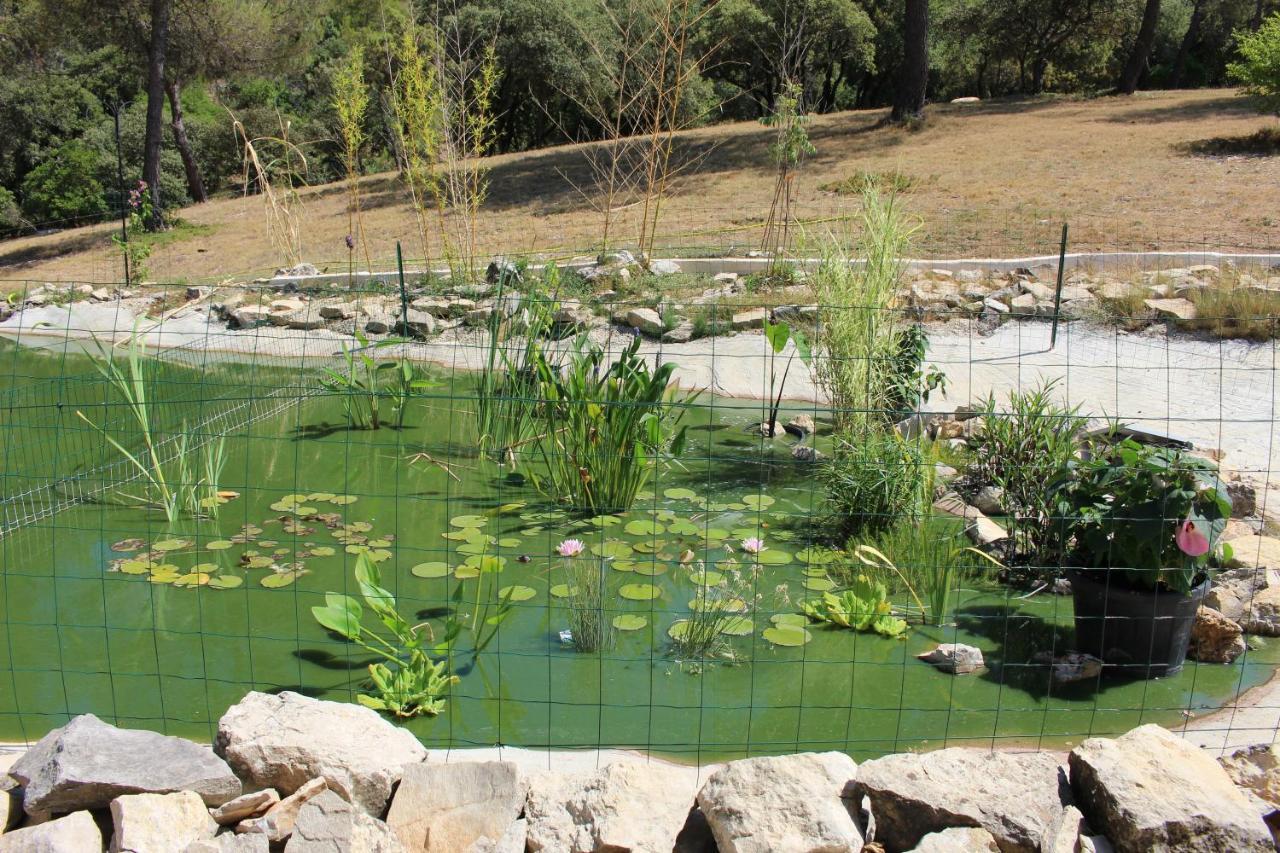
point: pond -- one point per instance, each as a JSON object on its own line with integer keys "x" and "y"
{"x": 109, "y": 609}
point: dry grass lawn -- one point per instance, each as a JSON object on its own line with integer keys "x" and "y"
{"x": 990, "y": 179}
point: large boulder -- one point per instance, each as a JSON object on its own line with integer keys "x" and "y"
{"x": 1016, "y": 796}
{"x": 159, "y": 823}
{"x": 229, "y": 842}
{"x": 283, "y": 740}
{"x": 971, "y": 839}
{"x": 88, "y": 763}
{"x": 445, "y": 807}
{"x": 75, "y": 833}
{"x": 788, "y": 804}
{"x": 1152, "y": 790}
{"x": 1215, "y": 638}
{"x": 328, "y": 823}
{"x": 623, "y": 808}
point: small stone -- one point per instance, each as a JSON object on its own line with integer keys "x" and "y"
{"x": 806, "y": 453}
{"x": 1152, "y": 790}
{"x": 663, "y": 267}
{"x": 801, "y": 426}
{"x": 990, "y": 500}
{"x": 338, "y": 311}
{"x": 245, "y": 806}
{"x": 725, "y": 278}
{"x": 1215, "y": 638}
{"x": 1023, "y": 304}
{"x": 418, "y": 324}
{"x": 441, "y": 808}
{"x": 513, "y": 840}
{"x": 956, "y": 658}
{"x": 159, "y": 823}
{"x": 750, "y": 319}
{"x": 229, "y": 842}
{"x": 503, "y": 269}
{"x": 647, "y": 321}
{"x": 572, "y": 314}
{"x": 1071, "y": 667}
{"x": 379, "y": 324}
{"x": 1172, "y": 309}
{"x": 958, "y": 839}
{"x": 278, "y": 821}
{"x": 995, "y": 306}
{"x": 328, "y": 824}
{"x": 88, "y": 763}
{"x": 944, "y": 472}
{"x": 75, "y": 833}
{"x": 681, "y": 334}
{"x": 1244, "y": 498}
{"x": 296, "y": 271}
{"x": 478, "y": 316}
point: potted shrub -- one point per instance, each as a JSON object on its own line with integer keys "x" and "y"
{"x": 1140, "y": 526}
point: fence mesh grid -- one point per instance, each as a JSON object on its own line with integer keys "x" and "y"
{"x": 111, "y": 608}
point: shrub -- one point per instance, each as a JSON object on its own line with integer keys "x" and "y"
{"x": 1259, "y": 66}
{"x": 1024, "y": 450}
{"x": 65, "y": 187}
{"x": 874, "y": 482}
{"x": 10, "y": 216}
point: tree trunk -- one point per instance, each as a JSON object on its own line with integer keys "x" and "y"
{"x": 155, "y": 107}
{"x": 1141, "y": 49}
{"x": 1189, "y": 40}
{"x": 913, "y": 77}
{"x": 195, "y": 183}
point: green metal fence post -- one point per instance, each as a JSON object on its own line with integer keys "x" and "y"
{"x": 1057, "y": 294}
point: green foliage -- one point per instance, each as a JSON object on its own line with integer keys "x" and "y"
{"x": 1258, "y": 68}
{"x": 716, "y": 610}
{"x": 136, "y": 245}
{"x": 64, "y": 188}
{"x": 863, "y": 606}
{"x": 1123, "y": 505}
{"x": 778, "y": 335}
{"x": 910, "y": 384}
{"x": 603, "y": 428}
{"x": 874, "y": 481}
{"x": 1022, "y": 449}
{"x": 364, "y": 381}
{"x": 413, "y": 680}
{"x": 10, "y": 215}
{"x": 930, "y": 559}
{"x": 588, "y": 622}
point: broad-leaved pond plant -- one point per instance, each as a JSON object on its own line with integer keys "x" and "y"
{"x": 1152, "y": 515}
{"x": 863, "y": 606}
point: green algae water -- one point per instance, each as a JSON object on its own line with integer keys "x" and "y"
{"x": 107, "y": 609}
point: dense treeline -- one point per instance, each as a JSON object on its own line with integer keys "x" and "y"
{"x": 75, "y": 67}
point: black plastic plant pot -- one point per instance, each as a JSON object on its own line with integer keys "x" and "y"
{"x": 1137, "y": 633}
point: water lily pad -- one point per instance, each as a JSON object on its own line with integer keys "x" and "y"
{"x": 787, "y": 635}
{"x": 650, "y": 568}
{"x": 623, "y": 565}
{"x": 430, "y": 570}
{"x": 357, "y": 549}
{"x": 816, "y": 572}
{"x": 679, "y": 629}
{"x": 758, "y": 501}
{"x": 486, "y": 562}
{"x": 683, "y": 528}
{"x": 639, "y": 592}
{"x": 508, "y": 542}
{"x": 277, "y": 580}
{"x": 282, "y": 506}
{"x": 473, "y": 548}
{"x": 379, "y": 543}
{"x": 772, "y": 557}
{"x": 321, "y": 496}
{"x": 665, "y": 516}
{"x": 165, "y": 577}
{"x": 268, "y": 543}
{"x": 358, "y": 527}
{"x": 819, "y": 584}
{"x": 257, "y": 562}
{"x": 563, "y": 590}
{"x": 464, "y": 573}
{"x": 125, "y": 545}
{"x": 193, "y": 579}
{"x": 643, "y": 527}
{"x": 629, "y": 622}
{"x": 707, "y": 577}
{"x": 649, "y": 546}
{"x": 468, "y": 521}
{"x": 793, "y": 620}
{"x": 170, "y": 544}
{"x": 463, "y": 535}
{"x": 135, "y": 567}
{"x": 379, "y": 555}
{"x": 517, "y": 593}
{"x": 728, "y": 605}
{"x": 617, "y": 550}
{"x": 715, "y": 534}
{"x": 218, "y": 545}
{"x": 225, "y": 581}
{"x": 679, "y": 494}
{"x": 342, "y": 500}
{"x": 322, "y": 551}
{"x": 737, "y": 626}
{"x": 604, "y": 520}
{"x": 305, "y": 510}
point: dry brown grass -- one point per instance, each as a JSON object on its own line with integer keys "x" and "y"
{"x": 992, "y": 179}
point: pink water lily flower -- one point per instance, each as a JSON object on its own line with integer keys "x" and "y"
{"x": 570, "y": 548}
{"x": 1191, "y": 541}
{"x": 753, "y": 545}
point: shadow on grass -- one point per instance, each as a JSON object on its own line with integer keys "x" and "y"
{"x": 1264, "y": 143}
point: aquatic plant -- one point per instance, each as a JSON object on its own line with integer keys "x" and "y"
{"x": 874, "y": 481}
{"x": 589, "y": 630}
{"x": 778, "y": 335}
{"x": 930, "y": 563}
{"x": 604, "y": 428}
{"x": 911, "y": 382}
{"x": 720, "y": 609}
{"x": 412, "y": 681}
{"x": 363, "y": 381}
{"x": 175, "y": 487}
{"x": 863, "y": 606}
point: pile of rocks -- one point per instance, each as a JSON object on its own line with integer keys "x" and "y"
{"x": 292, "y": 773}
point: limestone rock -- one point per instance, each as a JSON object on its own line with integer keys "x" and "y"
{"x": 623, "y": 808}
{"x": 1014, "y": 796}
{"x": 572, "y": 314}
{"x": 338, "y": 311}
{"x": 245, "y": 806}
{"x": 752, "y": 318}
{"x": 1236, "y": 591}
{"x": 990, "y": 500}
{"x": 75, "y": 833}
{"x": 278, "y": 821}
{"x": 1215, "y": 638}
{"x": 446, "y": 807}
{"x": 980, "y": 529}
{"x": 248, "y": 316}
{"x": 328, "y": 824}
{"x": 229, "y": 842}
{"x": 1152, "y": 790}
{"x": 1172, "y": 309}
{"x": 647, "y": 321}
{"x": 1256, "y": 768}
{"x": 159, "y": 823}
{"x": 956, "y": 658}
{"x": 88, "y": 763}
{"x": 681, "y": 334}
{"x": 281, "y": 741}
{"x": 788, "y": 804}
{"x": 663, "y": 267}
{"x": 1070, "y": 667}
{"x": 1255, "y": 552}
{"x": 1064, "y": 835}
{"x": 806, "y": 453}
{"x": 513, "y": 840}
{"x": 418, "y": 324}
{"x": 958, "y": 840}
{"x": 801, "y": 426}
{"x": 379, "y": 324}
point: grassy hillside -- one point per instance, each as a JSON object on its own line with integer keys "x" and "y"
{"x": 1164, "y": 169}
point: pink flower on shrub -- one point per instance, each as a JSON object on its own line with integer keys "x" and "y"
{"x": 753, "y": 545}
{"x": 1191, "y": 541}
{"x": 570, "y": 548}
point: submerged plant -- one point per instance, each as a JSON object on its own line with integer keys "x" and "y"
{"x": 176, "y": 487}
{"x": 604, "y": 428}
{"x": 412, "y": 681}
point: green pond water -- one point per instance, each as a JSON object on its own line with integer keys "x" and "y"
{"x": 87, "y": 630}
